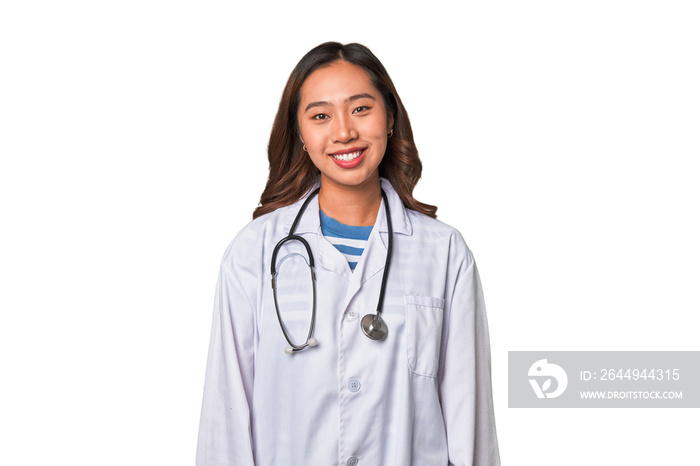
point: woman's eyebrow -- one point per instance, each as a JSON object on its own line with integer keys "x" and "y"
{"x": 359, "y": 96}
{"x": 352, "y": 98}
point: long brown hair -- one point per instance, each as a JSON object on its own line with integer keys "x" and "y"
{"x": 292, "y": 173}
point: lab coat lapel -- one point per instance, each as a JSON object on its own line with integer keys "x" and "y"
{"x": 330, "y": 258}
{"x": 373, "y": 258}
{"x": 325, "y": 254}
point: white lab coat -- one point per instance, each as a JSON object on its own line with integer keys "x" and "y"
{"x": 420, "y": 397}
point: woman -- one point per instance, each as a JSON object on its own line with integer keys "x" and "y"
{"x": 296, "y": 375}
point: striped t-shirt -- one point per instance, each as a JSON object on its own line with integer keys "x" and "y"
{"x": 349, "y": 240}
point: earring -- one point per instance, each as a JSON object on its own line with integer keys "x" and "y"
{"x": 304, "y": 147}
{"x": 391, "y": 133}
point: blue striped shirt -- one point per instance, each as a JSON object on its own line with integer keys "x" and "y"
{"x": 349, "y": 240}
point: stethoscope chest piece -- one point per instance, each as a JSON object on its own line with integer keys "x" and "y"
{"x": 374, "y": 327}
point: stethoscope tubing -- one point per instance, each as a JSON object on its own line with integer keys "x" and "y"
{"x": 389, "y": 250}
{"x": 292, "y": 237}
{"x": 378, "y": 333}
{"x": 313, "y": 308}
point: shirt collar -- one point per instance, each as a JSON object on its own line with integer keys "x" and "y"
{"x": 310, "y": 221}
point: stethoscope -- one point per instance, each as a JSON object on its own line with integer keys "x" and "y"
{"x": 372, "y": 324}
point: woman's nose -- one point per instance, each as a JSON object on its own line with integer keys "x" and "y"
{"x": 343, "y": 129}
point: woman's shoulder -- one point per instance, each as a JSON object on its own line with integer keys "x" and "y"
{"x": 251, "y": 241}
{"x": 257, "y": 228}
{"x": 423, "y": 224}
{"x": 426, "y": 228}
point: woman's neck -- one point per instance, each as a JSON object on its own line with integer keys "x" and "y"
{"x": 351, "y": 205}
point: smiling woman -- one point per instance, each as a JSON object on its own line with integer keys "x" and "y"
{"x": 292, "y": 172}
{"x": 344, "y": 127}
{"x": 295, "y": 375}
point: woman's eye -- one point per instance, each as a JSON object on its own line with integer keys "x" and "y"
{"x": 320, "y": 116}
{"x": 360, "y": 109}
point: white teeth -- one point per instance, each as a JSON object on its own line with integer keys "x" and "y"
{"x": 347, "y": 157}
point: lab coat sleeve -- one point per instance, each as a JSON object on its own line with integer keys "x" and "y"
{"x": 465, "y": 376}
{"x": 225, "y": 426}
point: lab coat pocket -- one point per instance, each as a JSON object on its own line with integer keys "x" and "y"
{"x": 423, "y": 334}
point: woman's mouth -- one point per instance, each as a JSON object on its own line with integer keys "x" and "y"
{"x": 349, "y": 158}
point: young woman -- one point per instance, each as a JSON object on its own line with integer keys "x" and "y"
{"x": 349, "y": 324}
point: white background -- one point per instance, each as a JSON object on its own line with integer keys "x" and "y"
{"x": 561, "y": 138}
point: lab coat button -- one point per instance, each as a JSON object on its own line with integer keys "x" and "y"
{"x": 352, "y": 461}
{"x": 352, "y": 315}
{"x": 353, "y": 386}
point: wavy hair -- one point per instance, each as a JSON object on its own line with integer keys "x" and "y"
{"x": 292, "y": 173}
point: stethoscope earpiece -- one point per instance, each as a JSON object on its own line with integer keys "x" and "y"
{"x": 310, "y": 342}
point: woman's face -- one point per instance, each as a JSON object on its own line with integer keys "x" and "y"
{"x": 344, "y": 124}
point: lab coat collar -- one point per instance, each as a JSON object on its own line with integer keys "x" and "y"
{"x": 310, "y": 221}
